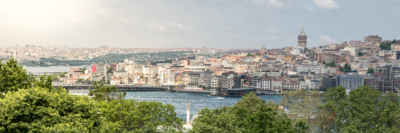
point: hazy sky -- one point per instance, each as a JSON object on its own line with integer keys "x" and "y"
{"x": 194, "y": 23}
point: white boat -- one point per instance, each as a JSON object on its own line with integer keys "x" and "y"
{"x": 220, "y": 98}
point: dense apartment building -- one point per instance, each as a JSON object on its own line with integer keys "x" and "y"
{"x": 228, "y": 79}
{"x": 265, "y": 84}
{"x": 372, "y": 39}
{"x": 349, "y": 81}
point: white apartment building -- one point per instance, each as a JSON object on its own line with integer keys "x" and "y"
{"x": 214, "y": 82}
{"x": 265, "y": 83}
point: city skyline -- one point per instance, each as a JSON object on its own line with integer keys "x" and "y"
{"x": 209, "y": 23}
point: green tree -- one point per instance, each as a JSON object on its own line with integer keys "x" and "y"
{"x": 323, "y": 62}
{"x": 101, "y": 92}
{"x": 13, "y": 78}
{"x": 84, "y": 69}
{"x": 40, "y": 110}
{"x": 249, "y": 54}
{"x": 370, "y": 70}
{"x": 80, "y": 80}
{"x": 250, "y": 114}
{"x": 347, "y": 67}
{"x": 363, "y": 110}
{"x": 109, "y": 70}
{"x": 360, "y": 53}
{"x": 302, "y": 106}
{"x": 332, "y": 64}
{"x": 385, "y": 45}
{"x": 140, "y": 116}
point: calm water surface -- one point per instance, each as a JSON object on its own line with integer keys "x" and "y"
{"x": 197, "y": 100}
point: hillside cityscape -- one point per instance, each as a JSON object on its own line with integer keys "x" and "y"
{"x": 199, "y": 66}
{"x": 371, "y": 61}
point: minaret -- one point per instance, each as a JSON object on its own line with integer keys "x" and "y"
{"x": 302, "y": 39}
{"x": 15, "y": 54}
{"x": 188, "y": 113}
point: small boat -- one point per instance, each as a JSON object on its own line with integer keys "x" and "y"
{"x": 220, "y": 98}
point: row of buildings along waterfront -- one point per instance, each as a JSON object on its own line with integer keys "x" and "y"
{"x": 290, "y": 68}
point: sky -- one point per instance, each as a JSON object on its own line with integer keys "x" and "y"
{"x": 194, "y": 23}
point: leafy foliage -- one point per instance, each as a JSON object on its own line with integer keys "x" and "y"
{"x": 101, "y": 92}
{"x": 302, "y": 106}
{"x": 139, "y": 116}
{"x": 332, "y": 64}
{"x": 347, "y": 67}
{"x": 13, "y": 78}
{"x": 249, "y": 54}
{"x": 370, "y": 70}
{"x": 250, "y": 114}
{"x": 360, "y": 53}
{"x": 109, "y": 70}
{"x": 39, "y": 110}
{"x": 385, "y": 45}
{"x": 363, "y": 110}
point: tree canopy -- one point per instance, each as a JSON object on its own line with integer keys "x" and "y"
{"x": 13, "y": 78}
{"x": 140, "y": 116}
{"x": 39, "y": 110}
{"x": 249, "y": 54}
{"x": 332, "y": 64}
{"x": 250, "y": 114}
{"x": 363, "y": 110}
{"x": 101, "y": 92}
{"x": 385, "y": 45}
{"x": 370, "y": 70}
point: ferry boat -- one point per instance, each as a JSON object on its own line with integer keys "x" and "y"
{"x": 220, "y": 98}
{"x": 239, "y": 92}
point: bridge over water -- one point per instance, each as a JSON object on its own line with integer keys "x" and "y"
{"x": 120, "y": 87}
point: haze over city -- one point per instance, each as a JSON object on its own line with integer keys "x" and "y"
{"x": 197, "y": 23}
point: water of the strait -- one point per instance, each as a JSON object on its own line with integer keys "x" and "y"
{"x": 197, "y": 100}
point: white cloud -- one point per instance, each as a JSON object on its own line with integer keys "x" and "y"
{"x": 274, "y": 38}
{"x": 273, "y": 30}
{"x": 269, "y": 3}
{"x": 326, "y": 39}
{"x": 156, "y": 27}
{"x": 181, "y": 26}
{"x": 228, "y": 28}
{"x": 232, "y": 35}
{"x": 326, "y": 4}
{"x": 172, "y": 26}
{"x": 309, "y": 8}
{"x": 249, "y": 39}
{"x": 75, "y": 21}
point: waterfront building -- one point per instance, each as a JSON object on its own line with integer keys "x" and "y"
{"x": 290, "y": 85}
{"x": 206, "y": 78}
{"x": 115, "y": 81}
{"x": 265, "y": 83}
{"x": 307, "y": 84}
{"x": 194, "y": 78}
{"x": 215, "y": 82}
{"x": 228, "y": 79}
{"x": 328, "y": 82}
{"x": 349, "y": 81}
